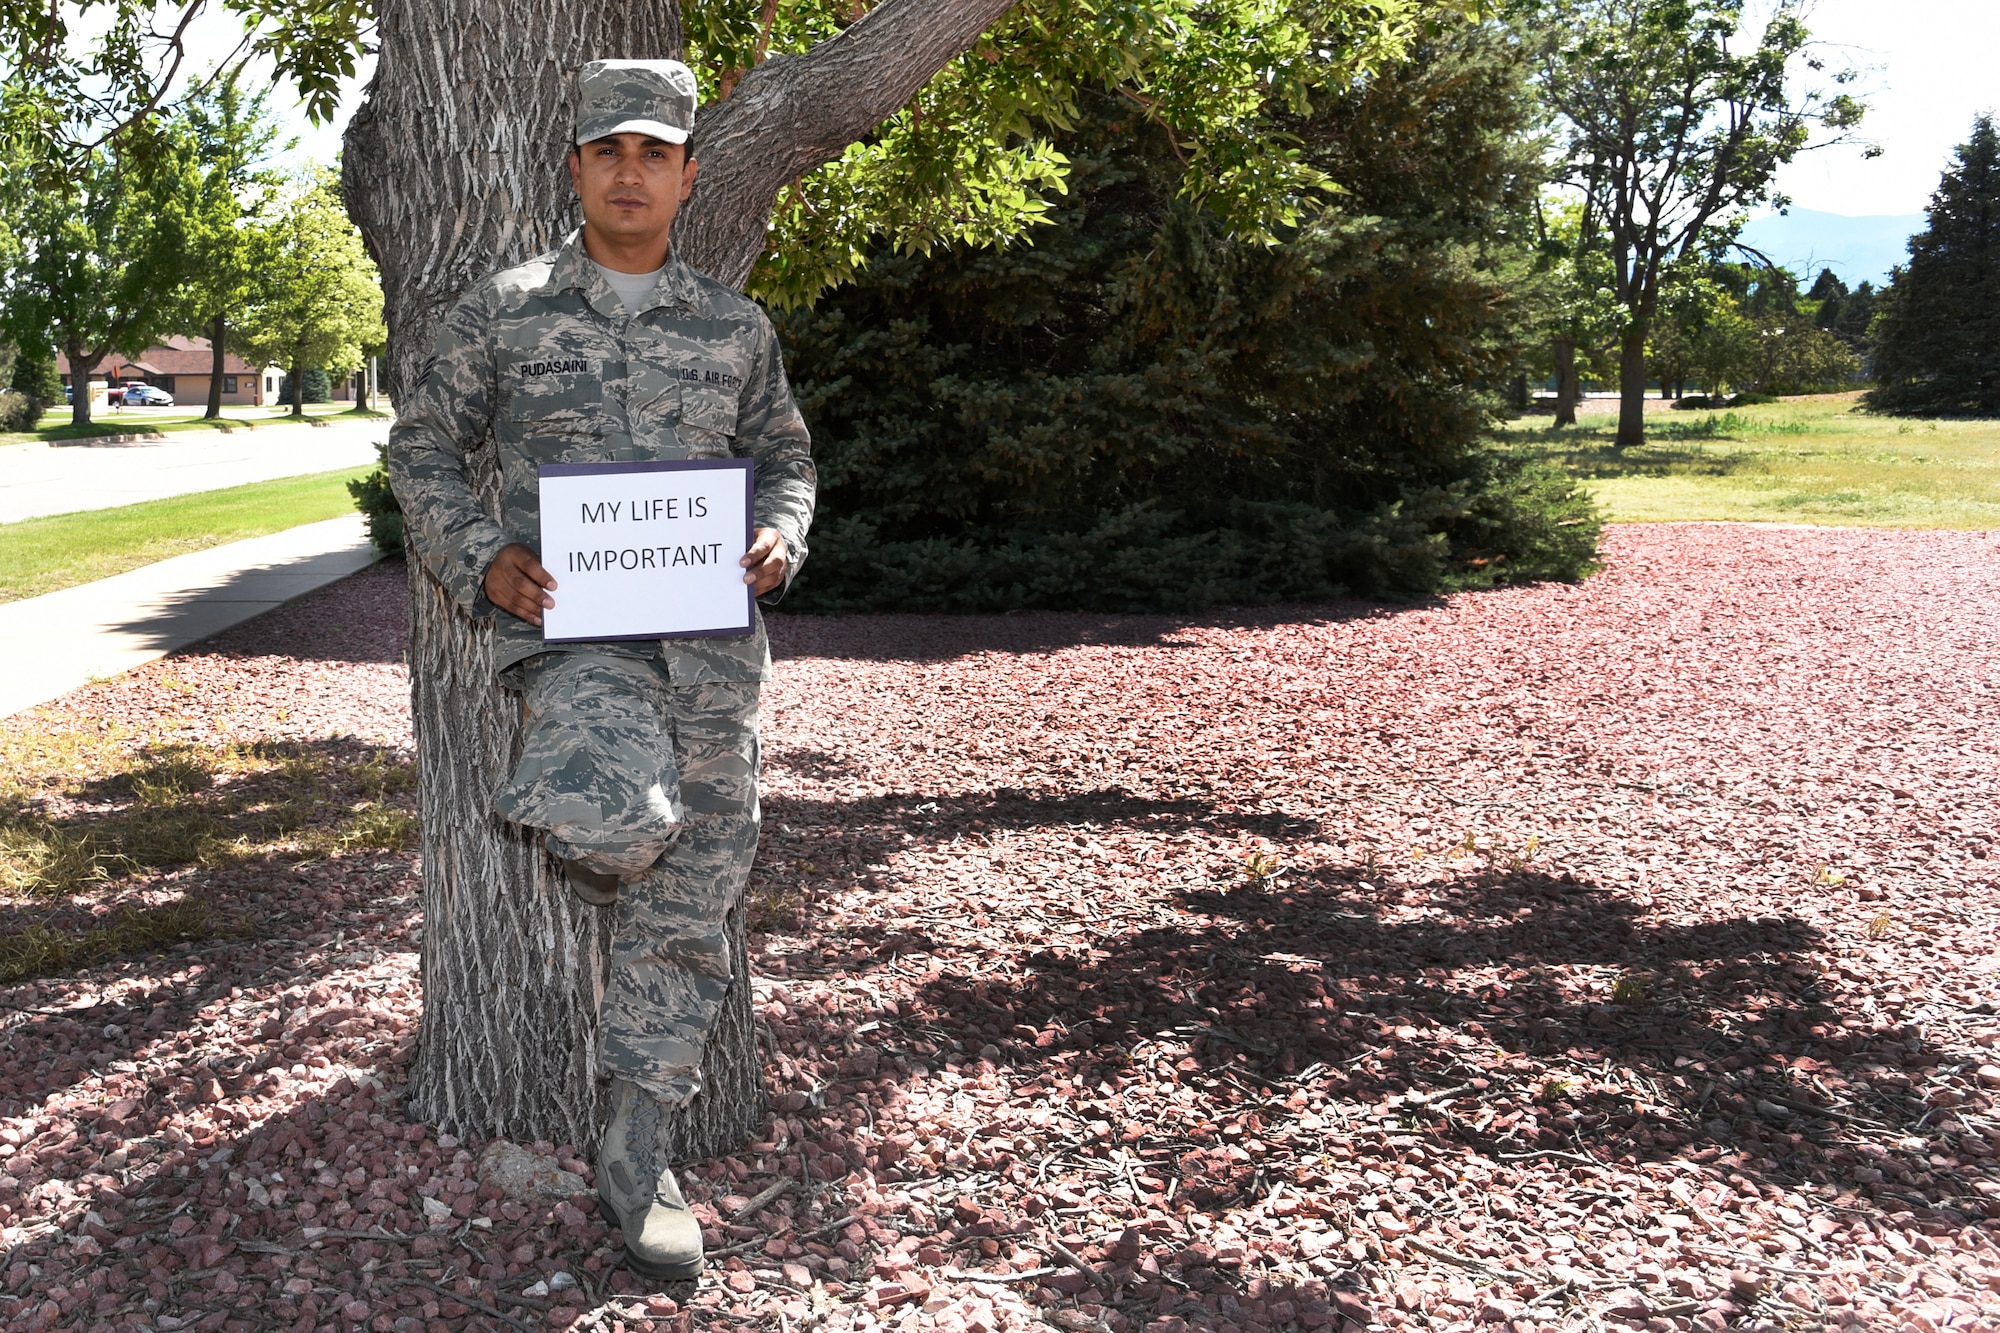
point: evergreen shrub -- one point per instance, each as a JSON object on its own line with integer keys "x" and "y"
{"x": 35, "y": 378}
{"x": 18, "y": 412}
{"x": 1139, "y": 412}
{"x": 316, "y": 386}
{"x": 379, "y": 506}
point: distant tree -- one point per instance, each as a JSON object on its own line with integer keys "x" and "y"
{"x": 1844, "y": 314}
{"x": 1680, "y": 346}
{"x": 1572, "y": 298}
{"x": 1827, "y": 287}
{"x": 1745, "y": 326}
{"x": 229, "y": 134}
{"x": 315, "y": 386}
{"x": 1789, "y": 355}
{"x": 101, "y": 252}
{"x": 1937, "y": 333}
{"x": 1665, "y": 123}
{"x": 315, "y": 302}
{"x": 1722, "y": 346}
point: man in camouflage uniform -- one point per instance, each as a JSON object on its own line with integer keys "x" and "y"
{"x": 639, "y": 760}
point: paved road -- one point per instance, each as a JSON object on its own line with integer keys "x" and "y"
{"x": 37, "y": 478}
{"x": 100, "y": 629}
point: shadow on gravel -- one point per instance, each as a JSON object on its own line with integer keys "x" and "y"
{"x": 876, "y": 825}
{"x": 365, "y": 617}
{"x": 940, "y": 638}
{"x": 153, "y": 1173}
{"x": 242, "y": 906}
{"x": 1672, "y": 1041}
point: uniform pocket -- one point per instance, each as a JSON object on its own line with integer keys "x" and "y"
{"x": 562, "y": 425}
{"x": 709, "y": 409}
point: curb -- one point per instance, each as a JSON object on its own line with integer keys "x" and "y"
{"x": 152, "y": 436}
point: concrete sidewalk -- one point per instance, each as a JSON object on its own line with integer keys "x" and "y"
{"x": 69, "y": 638}
{"x": 40, "y": 478}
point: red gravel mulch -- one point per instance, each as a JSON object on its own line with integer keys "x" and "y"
{"x": 1611, "y": 956}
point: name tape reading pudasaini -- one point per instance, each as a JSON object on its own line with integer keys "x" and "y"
{"x": 646, "y": 550}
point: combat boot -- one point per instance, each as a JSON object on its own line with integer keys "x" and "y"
{"x": 640, "y": 1198}
{"x": 592, "y": 886}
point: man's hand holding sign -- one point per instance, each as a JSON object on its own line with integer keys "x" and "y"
{"x": 518, "y": 585}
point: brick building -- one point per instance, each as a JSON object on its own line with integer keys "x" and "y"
{"x": 182, "y": 367}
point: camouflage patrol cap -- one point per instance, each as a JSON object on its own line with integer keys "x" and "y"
{"x": 653, "y": 97}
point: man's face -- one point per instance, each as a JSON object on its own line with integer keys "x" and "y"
{"x": 631, "y": 185}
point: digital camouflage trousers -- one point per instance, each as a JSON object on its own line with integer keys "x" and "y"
{"x": 657, "y": 783}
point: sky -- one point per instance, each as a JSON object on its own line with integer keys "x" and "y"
{"x": 1928, "y": 69}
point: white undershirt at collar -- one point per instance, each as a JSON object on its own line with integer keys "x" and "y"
{"x": 632, "y": 288}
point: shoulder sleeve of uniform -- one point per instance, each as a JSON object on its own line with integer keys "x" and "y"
{"x": 770, "y": 430}
{"x": 446, "y": 414}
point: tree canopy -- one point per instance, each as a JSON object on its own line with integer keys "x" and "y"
{"x": 228, "y": 132}
{"x": 972, "y": 159}
{"x": 1937, "y": 330}
{"x": 101, "y": 255}
{"x": 81, "y": 73}
{"x": 1843, "y": 313}
{"x": 314, "y": 303}
{"x": 969, "y": 159}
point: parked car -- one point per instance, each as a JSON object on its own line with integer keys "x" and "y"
{"x": 145, "y": 395}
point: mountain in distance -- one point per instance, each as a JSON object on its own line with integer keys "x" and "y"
{"x": 1857, "y": 249}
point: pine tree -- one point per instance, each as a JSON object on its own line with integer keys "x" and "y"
{"x": 1937, "y": 333}
{"x": 1844, "y": 314}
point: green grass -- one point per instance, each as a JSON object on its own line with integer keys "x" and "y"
{"x": 55, "y": 423}
{"x": 42, "y": 555}
{"x": 94, "y": 818}
{"x": 1807, "y": 460}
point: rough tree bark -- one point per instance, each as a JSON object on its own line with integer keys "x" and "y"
{"x": 1632, "y": 387}
{"x": 81, "y": 366}
{"x": 217, "y": 329}
{"x": 453, "y": 168}
{"x": 1569, "y": 389}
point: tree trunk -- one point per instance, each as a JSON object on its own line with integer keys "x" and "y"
{"x": 453, "y": 168}
{"x": 216, "y": 329}
{"x": 1569, "y": 389}
{"x": 79, "y": 383}
{"x": 298, "y": 389}
{"x": 1632, "y": 387}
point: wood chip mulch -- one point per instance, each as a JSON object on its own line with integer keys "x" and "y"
{"x": 1614, "y": 956}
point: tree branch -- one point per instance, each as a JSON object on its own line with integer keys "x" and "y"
{"x": 791, "y": 114}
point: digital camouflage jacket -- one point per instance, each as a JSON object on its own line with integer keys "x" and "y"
{"x": 543, "y": 363}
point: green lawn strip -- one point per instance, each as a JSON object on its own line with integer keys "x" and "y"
{"x": 1798, "y": 461}
{"x": 42, "y": 555}
{"x": 56, "y": 427}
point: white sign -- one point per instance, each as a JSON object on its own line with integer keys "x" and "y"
{"x": 646, "y": 550}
